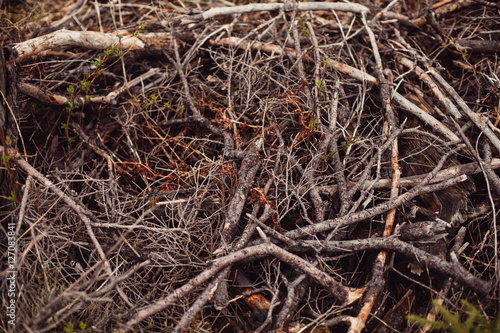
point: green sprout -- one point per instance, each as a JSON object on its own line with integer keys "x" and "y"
{"x": 350, "y": 140}
{"x": 70, "y": 328}
{"x": 329, "y": 155}
{"x": 302, "y": 22}
{"x": 13, "y": 196}
{"x": 312, "y": 125}
{"x": 463, "y": 51}
{"x": 71, "y": 106}
{"x": 320, "y": 85}
{"x": 5, "y": 159}
{"x": 140, "y": 27}
{"x": 97, "y": 62}
{"x": 85, "y": 85}
{"x": 304, "y": 31}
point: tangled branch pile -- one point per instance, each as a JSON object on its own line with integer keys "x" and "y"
{"x": 261, "y": 167}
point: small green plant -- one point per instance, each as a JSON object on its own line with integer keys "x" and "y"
{"x": 304, "y": 31}
{"x": 312, "y": 125}
{"x": 463, "y": 51}
{"x": 154, "y": 101}
{"x": 327, "y": 156}
{"x": 97, "y": 62}
{"x": 302, "y": 22}
{"x": 350, "y": 140}
{"x": 5, "y": 159}
{"x": 70, "y": 328}
{"x": 85, "y": 85}
{"x": 71, "y": 100}
{"x": 450, "y": 322}
{"x": 320, "y": 85}
{"x": 13, "y": 196}
{"x": 83, "y": 326}
{"x": 140, "y": 27}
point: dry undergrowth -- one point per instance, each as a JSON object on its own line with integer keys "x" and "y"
{"x": 240, "y": 172}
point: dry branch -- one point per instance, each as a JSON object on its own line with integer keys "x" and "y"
{"x": 259, "y": 7}
{"x": 411, "y": 181}
{"x": 342, "y": 293}
{"x": 452, "y": 109}
{"x": 448, "y": 268}
{"x": 85, "y": 39}
{"x": 342, "y": 222}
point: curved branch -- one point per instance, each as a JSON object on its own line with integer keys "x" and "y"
{"x": 344, "y": 294}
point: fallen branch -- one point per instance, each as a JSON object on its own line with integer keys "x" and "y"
{"x": 344, "y": 294}
{"x": 341, "y": 222}
{"x": 85, "y": 39}
{"x": 448, "y": 268}
{"x": 261, "y": 7}
{"x": 407, "y": 182}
